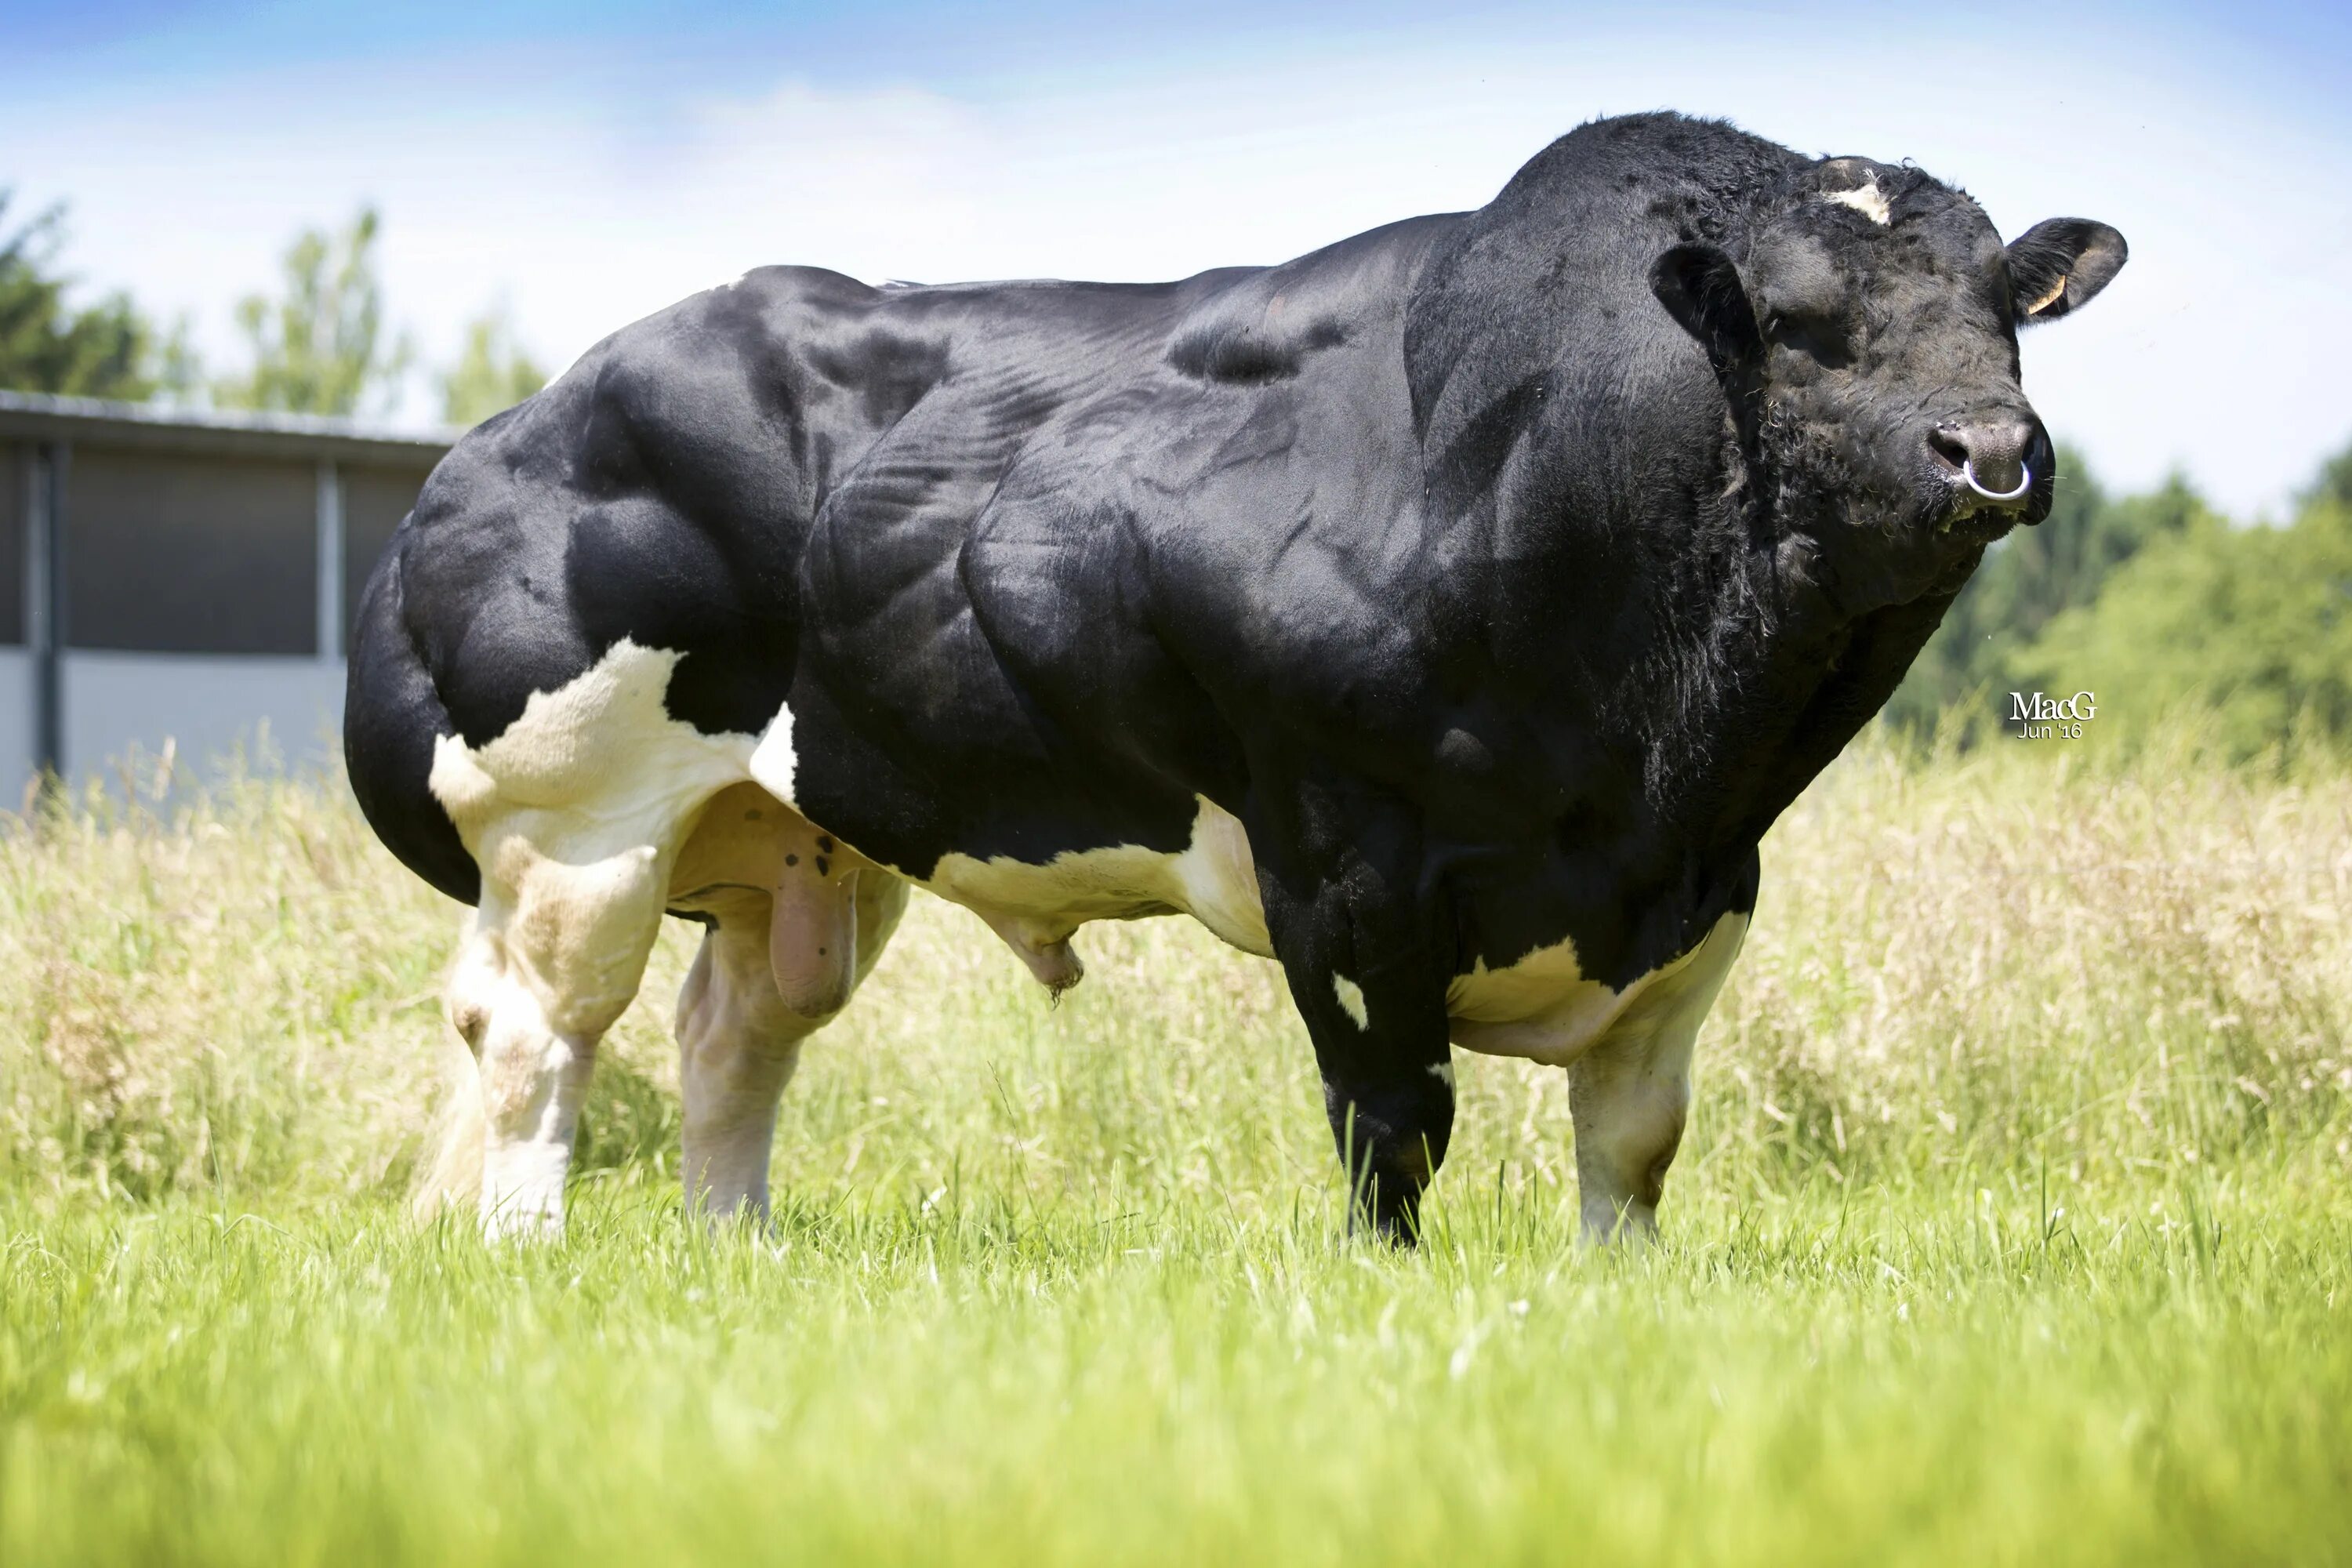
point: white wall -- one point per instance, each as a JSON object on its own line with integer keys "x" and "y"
{"x": 208, "y": 704}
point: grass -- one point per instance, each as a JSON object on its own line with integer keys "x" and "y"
{"x": 2014, "y": 1225}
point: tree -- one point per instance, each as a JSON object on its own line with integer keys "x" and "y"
{"x": 2249, "y": 628}
{"x": 320, "y": 349}
{"x": 495, "y": 372}
{"x": 105, "y": 349}
{"x": 2025, "y": 581}
{"x": 2333, "y": 481}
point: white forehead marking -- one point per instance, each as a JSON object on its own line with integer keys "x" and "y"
{"x": 1865, "y": 199}
{"x": 1351, "y": 998}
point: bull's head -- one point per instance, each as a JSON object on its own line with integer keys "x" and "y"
{"x": 1867, "y": 336}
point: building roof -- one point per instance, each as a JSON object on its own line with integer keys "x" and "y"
{"x": 38, "y": 416}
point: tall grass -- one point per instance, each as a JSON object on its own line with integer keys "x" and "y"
{"x": 2014, "y": 1225}
{"x": 2001, "y": 963}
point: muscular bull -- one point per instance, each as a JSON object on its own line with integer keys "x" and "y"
{"x": 1445, "y": 614}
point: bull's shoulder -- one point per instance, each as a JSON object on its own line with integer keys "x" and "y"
{"x": 1263, "y": 324}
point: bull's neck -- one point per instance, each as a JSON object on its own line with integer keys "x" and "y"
{"x": 1744, "y": 680}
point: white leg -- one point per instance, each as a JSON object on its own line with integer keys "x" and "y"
{"x": 797, "y": 922}
{"x": 737, "y": 1044}
{"x": 554, "y": 957}
{"x": 574, "y": 813}
{"x": 1630, "y": 1099}
{"x": 740, "y": 1042}
{"x": 1630, "y": 1093}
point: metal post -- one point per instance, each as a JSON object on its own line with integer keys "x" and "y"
{"x": 44, "y": 599}
{"x": 330, "y": 561}
{"x": 34, "y": 557}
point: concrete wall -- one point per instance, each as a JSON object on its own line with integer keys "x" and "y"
{"x": 207, "y": 705}
{"x": 190, "y": 585}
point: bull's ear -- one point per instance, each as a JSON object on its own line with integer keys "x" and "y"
{"x": 1701, "y": 289}
{"x": 2057, "y": 265}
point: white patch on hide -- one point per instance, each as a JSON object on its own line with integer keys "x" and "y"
{"x": 1218, "y": 878}
{"x": 1351, "y": 998}
{"x": 1443, "y": 1072}
{"x": 775, "y": 766}
{"x": 1866, "y": 199}
{"x": 602, "y": 748}
{"x": 1035, "y": 907}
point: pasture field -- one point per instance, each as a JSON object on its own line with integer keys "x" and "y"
{"x": 2014, "y": 1225}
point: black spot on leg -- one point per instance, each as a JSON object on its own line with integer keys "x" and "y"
{"x": 752, "y": 815}
{"x": 791, "y": 860}
{"x": 825, "y": 843}
{"x": 824, "y": 867}
{"x": 820, "y": 953}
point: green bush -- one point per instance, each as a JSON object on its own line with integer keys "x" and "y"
{"x": 2179, "y": 621}
{"x": 1964, "y": 675}
{"x": 2249, "y": 628}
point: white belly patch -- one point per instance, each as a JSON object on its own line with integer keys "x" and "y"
{"x": 1542, "y": 1007}
{"x": 1035, "y": 907}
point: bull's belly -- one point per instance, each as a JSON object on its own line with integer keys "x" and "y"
{"x": 1543, "y": 1008}
{"x": 1035, "y": 907}
{"x": 601, "y": 759}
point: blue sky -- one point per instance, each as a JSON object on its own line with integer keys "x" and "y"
{"x": 589, "y": 163}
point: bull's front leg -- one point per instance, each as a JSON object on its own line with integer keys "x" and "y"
{"x": 1389, "y": 1092}
{"x": 1630, "y": 1098}
{"x": 1368, "y": 976}
{"x": 1630, "y": 1093}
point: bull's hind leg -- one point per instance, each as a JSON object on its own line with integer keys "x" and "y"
{"x": 796, "y": 921}
{"x": 737, "y": 1046}
{"x": 553, "y": 959}
{"x": 573, "y": 814}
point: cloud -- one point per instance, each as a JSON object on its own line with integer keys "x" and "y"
{"x": 592, "y": 200}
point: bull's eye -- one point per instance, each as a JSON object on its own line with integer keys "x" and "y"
{"x": 1820, "y": 336}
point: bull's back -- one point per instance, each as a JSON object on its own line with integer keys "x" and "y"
{"x": 692, "y": 477}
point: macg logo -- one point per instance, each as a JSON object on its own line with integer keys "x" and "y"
{"x": 2039, "y": 717}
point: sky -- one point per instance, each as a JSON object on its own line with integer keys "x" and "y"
{"x": 586, "y": 163}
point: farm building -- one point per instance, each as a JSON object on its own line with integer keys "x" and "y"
{"x": 186, "y": 579}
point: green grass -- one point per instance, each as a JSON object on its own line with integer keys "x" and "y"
{"x": 2014, "y": 1225}
{"x": 1919, "y": 1381}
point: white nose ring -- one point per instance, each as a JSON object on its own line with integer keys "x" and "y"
{"x": 2024, "y": 483}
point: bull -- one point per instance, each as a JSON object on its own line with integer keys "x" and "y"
{"x": 1445, "y": 613}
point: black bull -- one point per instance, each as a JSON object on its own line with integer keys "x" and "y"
{"x": 1446, "y": 613}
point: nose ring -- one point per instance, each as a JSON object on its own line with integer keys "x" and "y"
{"x": 2024, "y": 483}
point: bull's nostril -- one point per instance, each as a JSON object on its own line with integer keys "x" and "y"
{"x": 1948, "y": 446}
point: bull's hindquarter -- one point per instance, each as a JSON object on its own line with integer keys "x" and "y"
{"x": 1072, "y": 602}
